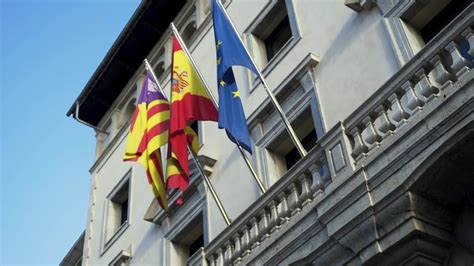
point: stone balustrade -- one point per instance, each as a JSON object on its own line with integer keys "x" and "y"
{"x": 439, "y": 64}
{"x": 270, "y": 212}
{"x": 197, "y": 258}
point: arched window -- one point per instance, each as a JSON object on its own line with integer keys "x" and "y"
{"x": 160, "y": 69}
{"x": 128, "y": 111}
{"x": 189, "y": 31}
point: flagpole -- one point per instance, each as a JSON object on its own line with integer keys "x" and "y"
{"x": 214, "y": 101}
{"x": 211, "y": 188}
{"x": 274, "y": 101}
{"x": 199, "y": 166}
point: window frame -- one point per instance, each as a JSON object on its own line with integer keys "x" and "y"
{"x": 301, "y": 78}
{"x": 405, "y": 39}
{"x": 109, "y": 238}
{"x": 256, "y": 45}
{"x": 183, "y": 217}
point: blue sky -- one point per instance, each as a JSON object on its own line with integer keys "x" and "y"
{"x": 48, "y": 51}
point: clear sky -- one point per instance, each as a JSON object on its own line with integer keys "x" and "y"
{"x": 48, "y": 51}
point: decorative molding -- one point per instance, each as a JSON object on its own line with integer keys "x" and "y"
{"x": 307, "y": 63}
{"x": 122, "y": 258}
{"x": 359, "y": 5}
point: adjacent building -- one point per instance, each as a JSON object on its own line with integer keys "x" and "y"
{"x": 381, "y": 94}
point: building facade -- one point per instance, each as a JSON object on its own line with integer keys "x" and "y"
{"x": 380, "y": 92}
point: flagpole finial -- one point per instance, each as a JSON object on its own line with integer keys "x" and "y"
{"x": 173, "y": 27}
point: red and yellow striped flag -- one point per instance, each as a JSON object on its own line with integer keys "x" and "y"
{"x": 189, "y": 102}
{"x": 148, "y": 132}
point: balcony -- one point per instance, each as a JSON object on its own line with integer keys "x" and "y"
{"x": 372, "y": 156}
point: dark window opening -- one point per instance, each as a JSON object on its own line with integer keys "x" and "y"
{"x": 124, "y": 212}
{"x": 120, "y": 202}
{"x": 195, "y": 127}
{"x": 188, "y": 32}
{"x": 160, "y": 69}
{"x": 196, "y": 245}
{"x": 188, "y": 241}
{"x": 278, "y": 38}
{"x": 117, "y": 209}
{"x": 293, "y": 155}
{"x": 443, "y": 18}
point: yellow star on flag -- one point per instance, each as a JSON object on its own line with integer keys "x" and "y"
{"x": 219, "y": 44}
{"x": 222, "y": 83}
{"x": 219, "y": 60}
{"x": 236, "y": 93}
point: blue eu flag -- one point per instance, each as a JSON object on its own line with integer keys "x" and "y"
{"x": 230, "y": 52}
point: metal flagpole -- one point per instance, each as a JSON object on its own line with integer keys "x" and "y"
{"x": 274, "y": 101}
{"x": 199, "y": 166}
{"x": 214, "y": 101}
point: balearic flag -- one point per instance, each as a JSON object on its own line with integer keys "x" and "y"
{"x": 148, "y": 132}
{"x": 189, "y": 102}
{"x": 230, "y": 52}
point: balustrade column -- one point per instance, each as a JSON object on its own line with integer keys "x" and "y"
{"x": 245, "y": 241}
{"x": 284, "y": 211}
{"x": 469, "y": 36}
{"x": 220, "y": 256}
{"x": 413, "y": 102}
{"x": 439, "y": 72}
{"x": 360, "y": 149}
{"x": 372, "y": 136}
{"x": 318, "y": 184}
{"x": 274, "y": 219}
{"x": 305, "y": 197}
{"x": 212, "y": 260}
{"x": 398, "y": 113}
{"x": 227, "y": 253}
{"x": 459, "y": 64}
{"x": 386, "y": 127}
{"x": 424, "y": 85}
{"x": 237, "y": 249}
{"x": 254, "y": 233}
{"x": 294, "y": 198}
{"x": 264, "y": 225}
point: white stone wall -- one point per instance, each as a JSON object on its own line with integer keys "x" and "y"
{"x": 355, "y": 59}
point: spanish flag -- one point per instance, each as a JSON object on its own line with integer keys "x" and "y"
{"x": 148, "y": 132}
{"x": 189, "y": 102}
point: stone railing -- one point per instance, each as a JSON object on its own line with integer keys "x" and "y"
{"x": 285, "y": 199}
{"x": 196, "y": 259}
{"x": 422, "y": 79}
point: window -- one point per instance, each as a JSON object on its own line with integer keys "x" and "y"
{"x": 188, "y": 32}
{"x": 117, "y": 210}
{"x": 119, "y": 206}
{"x": 275, "y": 152}
{"x": 188, "y": 241}
{"x": 108, "y": 137}
{"x": 308, "y": 142}
{"x": 415, "y": 23}
{"x": 159, "y": 69}
{"x": 272, "y": 34}
{"x": 434, "y": 17}
{"x": 282, "y": 150}
{"x": 128, "y": 112}
{"x": 278, "y": 38}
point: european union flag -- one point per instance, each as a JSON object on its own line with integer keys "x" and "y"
{"x": 230, "y": 52}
